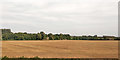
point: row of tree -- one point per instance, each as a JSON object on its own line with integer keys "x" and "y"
{"x": 43, "y": 36}
{"x": 8, "y": 35}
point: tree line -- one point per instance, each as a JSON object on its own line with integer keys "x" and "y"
{"x": 8, "y": 35}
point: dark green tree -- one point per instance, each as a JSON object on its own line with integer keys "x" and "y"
{"x": 44, "y": 36}
{"x": 61, "y": 36}
{"x": 51, "y": 37}
{"x": 38, "y": 36}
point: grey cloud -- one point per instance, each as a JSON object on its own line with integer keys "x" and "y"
{"x": 76, "y": 17}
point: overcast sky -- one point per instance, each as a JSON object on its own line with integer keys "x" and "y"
{"x": 76, "y": 17}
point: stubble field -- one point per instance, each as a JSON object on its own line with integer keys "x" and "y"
{"x": 61, "y": 49}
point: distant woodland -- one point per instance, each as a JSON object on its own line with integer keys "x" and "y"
{"x": 8, "y": 35}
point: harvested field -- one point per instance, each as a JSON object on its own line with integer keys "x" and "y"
{"x": 61, "y": 49}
